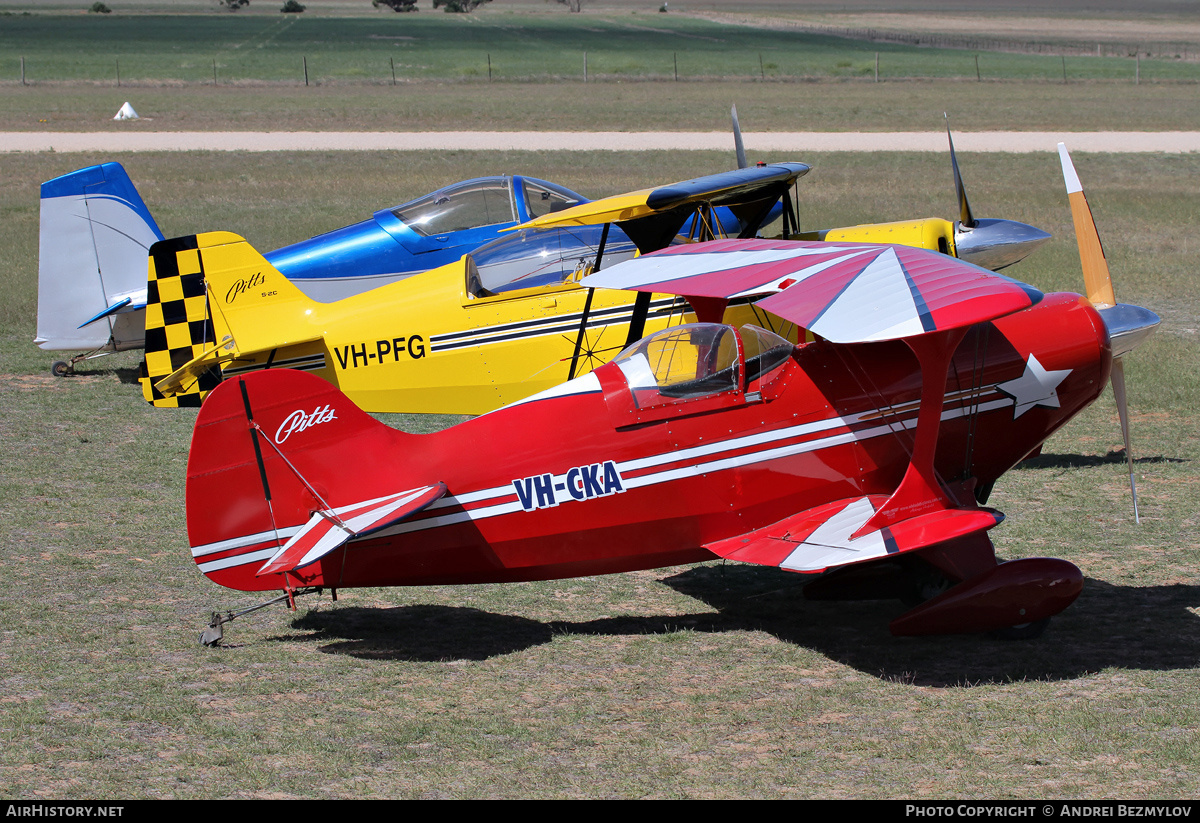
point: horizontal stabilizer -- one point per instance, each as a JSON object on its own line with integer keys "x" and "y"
{"x": 820, "y": 538}
{"x": 189, "y": 373}
{"x": 326, "y": 531}
{"x": 116, "y": 308}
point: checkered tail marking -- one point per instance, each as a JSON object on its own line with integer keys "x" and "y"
{"x": 178, "y": 326}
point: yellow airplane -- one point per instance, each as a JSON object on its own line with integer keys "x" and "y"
{"x": 493, "y": 327}
{"x": 498, "y": 325}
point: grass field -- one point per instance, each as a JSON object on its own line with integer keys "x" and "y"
{"x": 709, "y": 681}
{"x": 777, "y": 107}
{"x": 508, "y": 43}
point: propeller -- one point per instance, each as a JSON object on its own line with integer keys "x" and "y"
{"x": 1127, "y": 325}
{"x": 990, "y": 243}
{"x": 738, "y": 146}
{"x": 965, "y": 218}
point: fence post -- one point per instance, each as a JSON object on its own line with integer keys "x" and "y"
{"x": 118, "y": 74}
{"x": 214, "y": 71}
{"x": 876, "y": 67}
{"x": 585, "y": 67}
{"x": 675, "y": 57}
{"x": 392, "y": 61}
{"x": 762, "y": 71}
{"x": 1137, "y": 70}
{"x": 23, "y": 72}
{"x": 489, "y": 66}
{"x": 305, "y": 58}
{"x": 978, "y": 78}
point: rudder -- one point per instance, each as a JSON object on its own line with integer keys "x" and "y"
{"x": 94, "y": 234}
{"x": 178, "y": 325}
{"x": 268, "y": 450}
{"x": 212, "y": 299}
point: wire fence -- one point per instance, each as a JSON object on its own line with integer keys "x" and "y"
{"x": 879, "y": 66}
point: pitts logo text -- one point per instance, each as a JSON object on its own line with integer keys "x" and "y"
{"x": 298, "y": 421}
{"x": 241, "y": 286}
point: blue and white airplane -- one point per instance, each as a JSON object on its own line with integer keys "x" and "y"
{"x": 96, "y": 233}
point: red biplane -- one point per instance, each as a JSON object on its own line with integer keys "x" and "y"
{"x": 863, "y": 456}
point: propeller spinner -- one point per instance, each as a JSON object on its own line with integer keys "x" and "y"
{"x": 987, "y": 242}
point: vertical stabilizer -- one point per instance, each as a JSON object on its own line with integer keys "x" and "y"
{"x": 283, "y": 471}
{"x": 211, "y": 299}
{"x": 95, "y": 234}
{"x": 178, "y": 327}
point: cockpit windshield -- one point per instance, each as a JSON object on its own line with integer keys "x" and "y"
{"x": 543, "y": 257}
{"x": 765, "y": 351}
{"x": 699, "y": 360}
{"x": 484, "y": 201}
{"x": 543, "y": 197}
{"x": 693, "y": 360}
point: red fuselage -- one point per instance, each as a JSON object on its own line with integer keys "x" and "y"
{"x": 587, "y": 480}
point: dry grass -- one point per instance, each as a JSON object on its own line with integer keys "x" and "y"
{"x": 763, "y": 107}
{"x": 709, "y": 681}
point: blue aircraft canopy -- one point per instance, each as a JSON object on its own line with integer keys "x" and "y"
{"x": 425, "y": 233}
{"x": 484, "y": 201}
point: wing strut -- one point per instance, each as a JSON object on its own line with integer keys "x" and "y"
{"x": 790, "y": 224}
{"x": 262, "y": 468}
{"x": 637, "y": 323}
{"x": 920, "y": 492}
{"x": 587, "y": 304}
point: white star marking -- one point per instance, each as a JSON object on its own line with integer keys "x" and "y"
{"x": 1036, "y": 387}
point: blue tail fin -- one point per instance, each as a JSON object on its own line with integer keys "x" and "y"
{"x": 95, "y": 236}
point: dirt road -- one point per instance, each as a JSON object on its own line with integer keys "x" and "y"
{"x": 1019, "y": 142}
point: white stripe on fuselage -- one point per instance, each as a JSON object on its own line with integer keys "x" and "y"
{"x": 760, "y": 443}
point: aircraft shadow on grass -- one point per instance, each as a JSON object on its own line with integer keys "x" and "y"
{"x": 1115, "y": 457}
{"x": 1146, "y": 627}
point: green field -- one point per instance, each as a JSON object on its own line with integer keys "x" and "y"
{"x": 763, "y": 107}
{"x": 500, "y": 44}
{"x": 713, "y": 681}
{"x": 717, "y": 680}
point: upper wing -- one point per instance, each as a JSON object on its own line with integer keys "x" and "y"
{"x": 845, "y": 293}
{"x": 651, "y": 217}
